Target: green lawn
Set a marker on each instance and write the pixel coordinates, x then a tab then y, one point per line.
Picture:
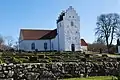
93	78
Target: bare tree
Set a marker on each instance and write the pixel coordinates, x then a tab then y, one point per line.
95	47
1	40
16	45
100	41
107	27
10	41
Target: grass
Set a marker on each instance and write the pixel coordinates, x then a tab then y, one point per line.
52	56
1	60
93	78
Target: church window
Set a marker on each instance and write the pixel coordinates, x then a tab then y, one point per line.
67	31
75	26
72	24
60	24
33	46
67	26
45	45
75	37
69	38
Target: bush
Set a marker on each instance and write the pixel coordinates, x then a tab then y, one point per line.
11	50
43	61
83	59
68	76
41	56
87	55
1	50
104	55
118	59
32	58
20	51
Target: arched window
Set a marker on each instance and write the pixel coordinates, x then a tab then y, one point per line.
45	46
75	38
72	24
69	38
33	46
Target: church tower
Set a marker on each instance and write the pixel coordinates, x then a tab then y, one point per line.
68	29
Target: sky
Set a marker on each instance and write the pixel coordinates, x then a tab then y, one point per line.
42	14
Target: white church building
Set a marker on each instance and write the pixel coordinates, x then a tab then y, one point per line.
66	37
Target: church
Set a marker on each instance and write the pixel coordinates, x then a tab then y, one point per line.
66	37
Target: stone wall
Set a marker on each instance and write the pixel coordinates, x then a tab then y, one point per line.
54	71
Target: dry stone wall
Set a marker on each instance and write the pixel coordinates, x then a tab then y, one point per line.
54	71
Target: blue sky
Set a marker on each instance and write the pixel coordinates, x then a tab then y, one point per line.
42	14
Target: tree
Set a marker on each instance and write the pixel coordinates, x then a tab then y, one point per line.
9	40
16	45
100	41
95	47
1	40
107	27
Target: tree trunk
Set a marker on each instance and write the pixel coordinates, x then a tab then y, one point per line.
108	49
107	44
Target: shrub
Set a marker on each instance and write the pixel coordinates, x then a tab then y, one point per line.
11	50
41	56
32	58
118	59
83	59
1	50
87	55
104	55
68	76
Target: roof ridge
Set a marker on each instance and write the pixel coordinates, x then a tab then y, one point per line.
37	29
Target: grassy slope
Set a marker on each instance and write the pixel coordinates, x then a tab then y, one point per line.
92	78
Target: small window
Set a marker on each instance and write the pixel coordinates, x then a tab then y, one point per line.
69	16
33	46
72	24
67	26
76	32
73	16
75	37
69	38
45	46
60	24
68	32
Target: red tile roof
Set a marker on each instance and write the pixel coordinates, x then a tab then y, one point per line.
83	43
31	34
50	35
